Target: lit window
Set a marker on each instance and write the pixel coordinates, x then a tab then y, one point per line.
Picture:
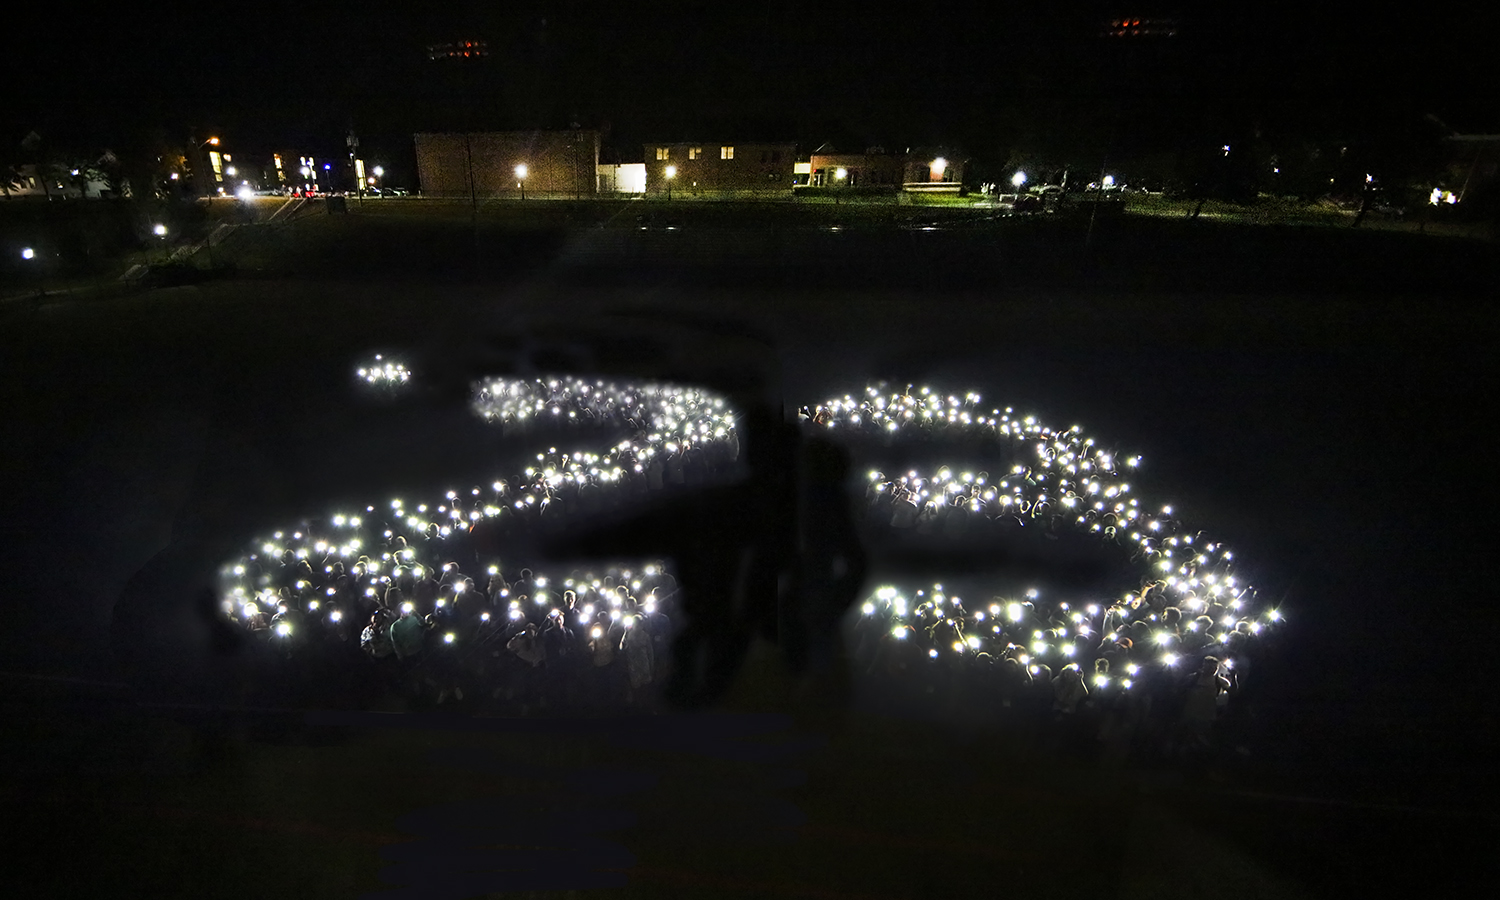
726	153
695	152
661	152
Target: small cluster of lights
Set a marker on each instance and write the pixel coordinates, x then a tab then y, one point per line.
384	373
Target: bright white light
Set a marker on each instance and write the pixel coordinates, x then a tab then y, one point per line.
671	171
1109	181
28	253
448	638
159	230
521	170
379	172
939	166
1018	179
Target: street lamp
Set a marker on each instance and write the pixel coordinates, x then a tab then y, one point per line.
379	172
521	179
671	173
939	166
160	231
231	171
1109	181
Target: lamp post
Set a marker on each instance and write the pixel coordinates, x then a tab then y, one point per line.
671	172
160	231
202	166
521	179
29	254
839	175
1017	180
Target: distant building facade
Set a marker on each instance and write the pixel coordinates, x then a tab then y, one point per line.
622	178
872	169
1130	26
557	163
932	170
29	182
719	168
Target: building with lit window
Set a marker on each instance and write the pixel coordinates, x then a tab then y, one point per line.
458	50
874	170
1136	27
503	164
211	168
932	170
719	168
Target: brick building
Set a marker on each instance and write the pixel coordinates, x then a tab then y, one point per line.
872	169
934	170
720	168
558	163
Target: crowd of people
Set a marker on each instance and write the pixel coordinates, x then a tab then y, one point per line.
420	592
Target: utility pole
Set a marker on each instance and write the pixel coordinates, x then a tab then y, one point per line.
352	141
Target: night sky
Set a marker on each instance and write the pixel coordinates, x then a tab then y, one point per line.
275	76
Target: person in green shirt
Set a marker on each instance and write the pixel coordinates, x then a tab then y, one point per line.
407	635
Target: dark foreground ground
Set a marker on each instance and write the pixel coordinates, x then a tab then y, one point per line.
1320	399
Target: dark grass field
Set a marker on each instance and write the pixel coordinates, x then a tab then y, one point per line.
1318	397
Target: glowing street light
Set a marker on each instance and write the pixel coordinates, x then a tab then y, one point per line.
159	230
231	170
671	172
1109	181
28	253
939	166
521	179
841	173
1018	179
379	172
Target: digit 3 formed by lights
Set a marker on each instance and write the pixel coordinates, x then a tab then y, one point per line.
1065	480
